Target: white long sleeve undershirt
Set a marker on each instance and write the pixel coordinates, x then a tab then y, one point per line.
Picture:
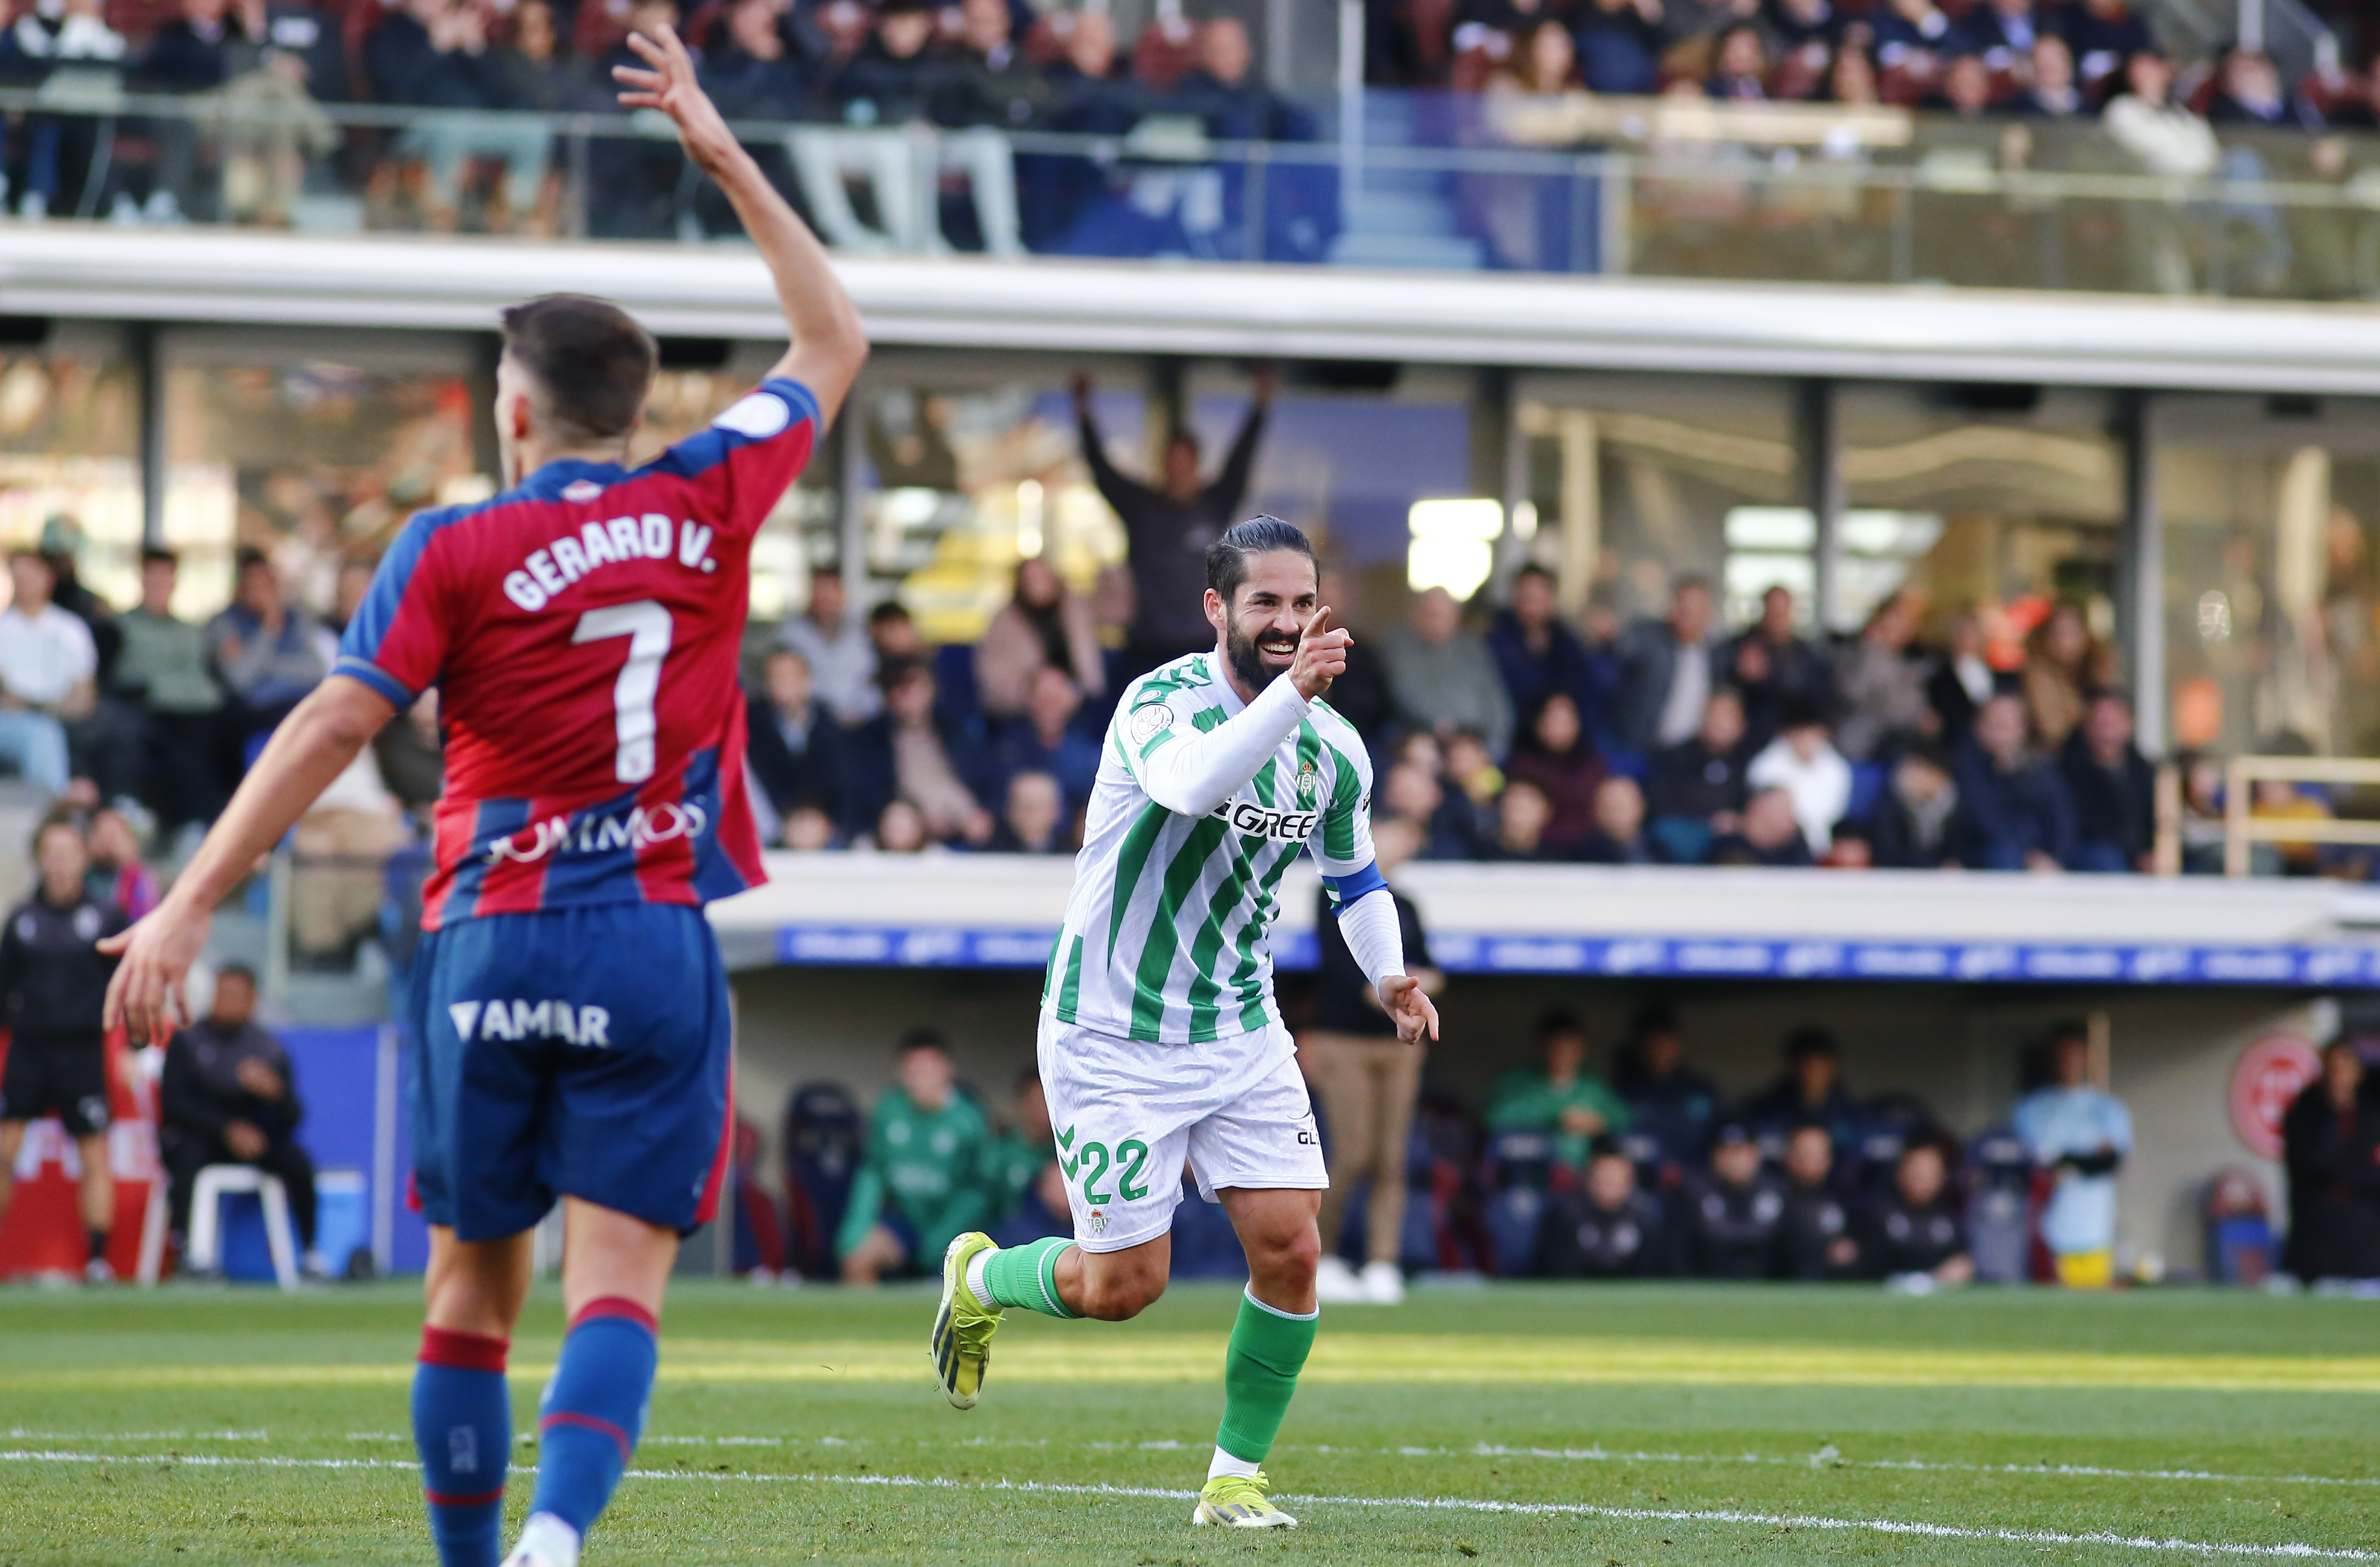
1195	773
1369	924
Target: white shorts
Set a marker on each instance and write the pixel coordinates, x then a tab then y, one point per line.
1127	1113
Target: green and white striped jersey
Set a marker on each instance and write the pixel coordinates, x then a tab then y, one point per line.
1201	802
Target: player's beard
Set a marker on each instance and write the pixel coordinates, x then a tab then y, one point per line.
1239	648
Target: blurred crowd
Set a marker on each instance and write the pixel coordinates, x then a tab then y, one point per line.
2044	59
261	69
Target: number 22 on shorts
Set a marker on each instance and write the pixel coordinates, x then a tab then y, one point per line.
1093	1162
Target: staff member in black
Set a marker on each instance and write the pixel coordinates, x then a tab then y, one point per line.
2331	1138
1735	1212
1819	1238
53	993
228	1097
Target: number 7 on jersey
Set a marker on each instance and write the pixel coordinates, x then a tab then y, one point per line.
645	625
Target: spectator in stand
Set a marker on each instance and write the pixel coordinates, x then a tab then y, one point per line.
1818	1239
926	1176
73	35
1367	1079
900	829
1044	739
1920	1240
1033	818
1771	834
1611	1228
434	54
1774	669
2019	816
1739	65
2051	94
53	992
2114	788
2063	664
1966	88
634	184
1092	97
1554	753
902	754
988	82
228	1096
1522	813
796	750
1030	1185
1223	90
1536	653
1852	78
1167	530
1620	46
2079	1133
118	877
1619	829
833	641
1412	793
48	676
1562	1097
1734	1210
1804	763
1882	683
2330	1137
197	52
1672	1104
1442	678
1701	780
753	72
1917	824
267	652
2249	93
1045	625
1810	1092
2164	138
893	633
1961	681
1471	772
1909	34
897	74
1360	695
2104	34
534	71
1670	668
2003	33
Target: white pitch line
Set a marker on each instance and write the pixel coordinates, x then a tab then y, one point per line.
2295	1550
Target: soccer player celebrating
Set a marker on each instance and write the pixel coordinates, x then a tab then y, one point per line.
569	1007
1160	1037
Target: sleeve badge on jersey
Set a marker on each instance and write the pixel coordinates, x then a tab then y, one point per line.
760	416
1149	720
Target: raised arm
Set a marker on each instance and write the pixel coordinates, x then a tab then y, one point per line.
829	343
313	745
1113	486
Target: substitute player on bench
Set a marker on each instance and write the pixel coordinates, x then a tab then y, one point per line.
571	1009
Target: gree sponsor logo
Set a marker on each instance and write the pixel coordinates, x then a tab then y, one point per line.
1253	821
638	827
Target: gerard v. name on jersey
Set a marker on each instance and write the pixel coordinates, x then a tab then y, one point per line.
652	536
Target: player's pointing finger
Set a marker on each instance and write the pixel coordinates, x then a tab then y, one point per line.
1319	624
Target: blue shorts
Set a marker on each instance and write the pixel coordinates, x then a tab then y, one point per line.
579	1052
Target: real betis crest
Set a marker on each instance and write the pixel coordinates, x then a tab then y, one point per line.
1309	780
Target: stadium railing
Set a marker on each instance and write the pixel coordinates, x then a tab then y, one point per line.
2242	830
1648	187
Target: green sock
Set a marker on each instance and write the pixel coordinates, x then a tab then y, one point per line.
1268	1348
1026	1276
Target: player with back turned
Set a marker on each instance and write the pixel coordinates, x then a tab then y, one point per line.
1160	1037
568	1002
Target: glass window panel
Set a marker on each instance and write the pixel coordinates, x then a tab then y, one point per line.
2270	508
1638	480
70	449
2000	498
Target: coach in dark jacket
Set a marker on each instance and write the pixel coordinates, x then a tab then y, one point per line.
229	1097
2330	1140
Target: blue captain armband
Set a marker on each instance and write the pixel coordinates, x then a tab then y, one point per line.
1345	889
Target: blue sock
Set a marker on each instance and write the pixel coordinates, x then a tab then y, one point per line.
594	1410
463	1429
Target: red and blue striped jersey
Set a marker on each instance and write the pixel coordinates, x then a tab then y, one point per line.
583	630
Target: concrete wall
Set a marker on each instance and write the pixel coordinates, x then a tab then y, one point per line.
1959	1048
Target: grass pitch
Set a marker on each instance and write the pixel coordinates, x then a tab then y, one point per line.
1519	1424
